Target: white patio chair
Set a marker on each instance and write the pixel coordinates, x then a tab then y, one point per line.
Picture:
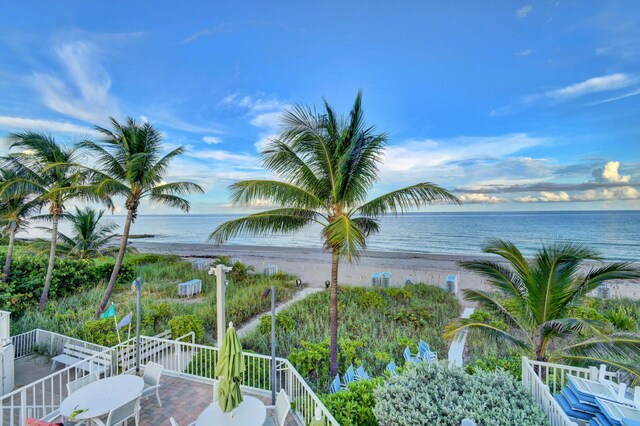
280	410
122	414
151	377
81	382
174	423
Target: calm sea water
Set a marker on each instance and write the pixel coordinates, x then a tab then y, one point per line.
616	234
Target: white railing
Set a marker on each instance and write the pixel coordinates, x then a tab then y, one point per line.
198	362
179	358
545	379
542	395
47	342
43	397
24	344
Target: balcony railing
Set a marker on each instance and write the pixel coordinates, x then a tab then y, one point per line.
545	379
179	358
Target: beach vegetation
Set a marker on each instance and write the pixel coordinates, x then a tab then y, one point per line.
354	406
184	324
435	394
131	166
369	336
326	165
544	297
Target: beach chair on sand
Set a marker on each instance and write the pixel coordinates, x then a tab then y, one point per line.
361	374
349	376
391	368
336	385
409	357
425	353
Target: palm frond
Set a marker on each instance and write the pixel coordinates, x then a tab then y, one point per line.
487	331
407	198
367	225
490	303
564	327
345	235
499	276
170	200
278	193
277	221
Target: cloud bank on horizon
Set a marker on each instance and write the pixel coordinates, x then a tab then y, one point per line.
537	111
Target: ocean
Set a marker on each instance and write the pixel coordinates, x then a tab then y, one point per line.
615	234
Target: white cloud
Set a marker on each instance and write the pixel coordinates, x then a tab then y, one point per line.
524	52
413	158
526	199
245	160
19	123
264	141
269	120
524	11
609	194
545	197
83	92
611	173
592	85
476	198
212	140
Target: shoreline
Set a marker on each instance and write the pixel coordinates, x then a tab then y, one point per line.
313	265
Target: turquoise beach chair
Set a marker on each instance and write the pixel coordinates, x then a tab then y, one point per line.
336	385
425	353
409	357
391	368
361	374
349	376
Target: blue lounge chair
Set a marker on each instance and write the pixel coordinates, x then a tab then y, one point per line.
361	374
409	357
349	376
425	353
391	368
336	385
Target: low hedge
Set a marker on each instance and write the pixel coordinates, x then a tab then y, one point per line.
441	396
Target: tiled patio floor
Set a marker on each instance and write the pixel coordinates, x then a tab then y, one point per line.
183	400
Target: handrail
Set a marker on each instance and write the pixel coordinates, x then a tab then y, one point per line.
191	333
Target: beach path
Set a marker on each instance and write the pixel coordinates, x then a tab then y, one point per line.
457	345
299	295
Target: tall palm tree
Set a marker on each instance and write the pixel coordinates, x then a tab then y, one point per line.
51	173
545	292
89	236
129	159
15	209
327	166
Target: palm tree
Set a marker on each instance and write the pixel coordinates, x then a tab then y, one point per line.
89	238
128	157
327	166
15	209
536	298
50	172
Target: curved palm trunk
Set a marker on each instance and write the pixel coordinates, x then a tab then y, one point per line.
52	259
7	262
118	265
334	313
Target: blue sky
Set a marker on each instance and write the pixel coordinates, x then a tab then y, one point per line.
514	105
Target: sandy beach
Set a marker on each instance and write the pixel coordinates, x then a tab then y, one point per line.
313	265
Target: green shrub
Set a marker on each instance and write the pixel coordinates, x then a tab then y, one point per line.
371	300
284	323
621	319
104	268
101	332
437	395
354	407
511	364
184	324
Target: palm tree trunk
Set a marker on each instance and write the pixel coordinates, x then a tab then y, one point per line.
52	259
118	265
7	262
334	313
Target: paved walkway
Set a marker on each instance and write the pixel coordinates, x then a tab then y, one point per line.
299	295
456	350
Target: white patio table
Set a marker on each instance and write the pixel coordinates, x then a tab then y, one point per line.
251	412
102	396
